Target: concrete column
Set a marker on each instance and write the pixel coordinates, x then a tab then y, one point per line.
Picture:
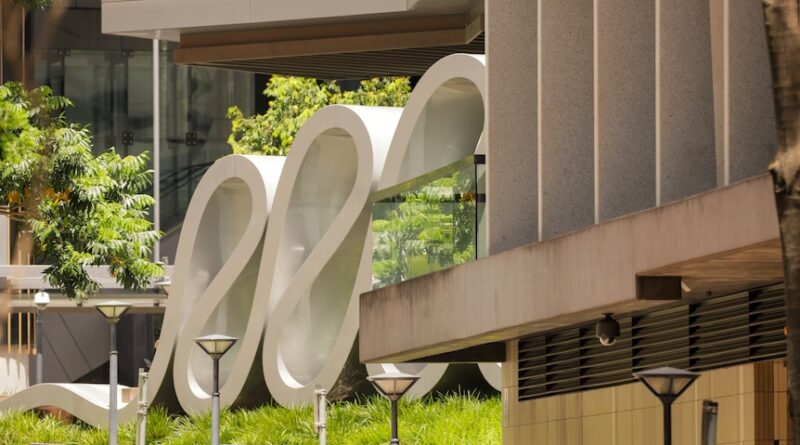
566	116
512	130
752	137
686	161
744	115
624	107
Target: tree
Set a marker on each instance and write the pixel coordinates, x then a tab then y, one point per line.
84	210
33	4
783	38
294	100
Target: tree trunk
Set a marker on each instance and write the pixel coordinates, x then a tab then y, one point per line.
783	38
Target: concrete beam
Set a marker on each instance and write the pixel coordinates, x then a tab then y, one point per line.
720	241
19	283
269	43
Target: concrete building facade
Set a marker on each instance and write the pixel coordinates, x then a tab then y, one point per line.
617	136
626	149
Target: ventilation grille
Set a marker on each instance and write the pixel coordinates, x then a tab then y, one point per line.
714	333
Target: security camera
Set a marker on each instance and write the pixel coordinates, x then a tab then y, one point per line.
607	330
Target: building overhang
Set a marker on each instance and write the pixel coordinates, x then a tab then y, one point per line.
334	40
18	284
717	242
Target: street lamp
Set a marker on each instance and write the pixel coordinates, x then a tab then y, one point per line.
112	311
41	300
667	384
393	385
215	345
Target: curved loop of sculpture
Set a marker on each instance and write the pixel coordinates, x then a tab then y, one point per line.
84	401
231	185
223	249
316	248
276	251
442	123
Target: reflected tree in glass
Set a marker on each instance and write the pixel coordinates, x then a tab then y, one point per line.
425	229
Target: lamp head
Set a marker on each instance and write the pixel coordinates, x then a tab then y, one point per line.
112	310
215	345
667	383
393	384
41	300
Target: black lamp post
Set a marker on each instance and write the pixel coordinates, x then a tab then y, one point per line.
667	384
393	385
112	311
41	300
215	345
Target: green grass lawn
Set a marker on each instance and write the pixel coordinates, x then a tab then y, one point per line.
450	419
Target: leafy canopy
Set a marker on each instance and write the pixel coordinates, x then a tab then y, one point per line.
295	99
33	4
84	210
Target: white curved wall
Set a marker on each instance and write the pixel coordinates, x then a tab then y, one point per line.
319	249
219	285
276	252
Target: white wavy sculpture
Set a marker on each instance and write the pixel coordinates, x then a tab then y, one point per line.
276	250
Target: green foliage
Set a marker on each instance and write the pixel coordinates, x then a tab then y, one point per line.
33	4
84	210
294	100
451	419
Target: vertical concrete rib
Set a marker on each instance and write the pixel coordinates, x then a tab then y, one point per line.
625	106
657	37
751	110
726	92
539	177
718	70
512	128
595	127
566	114
685	100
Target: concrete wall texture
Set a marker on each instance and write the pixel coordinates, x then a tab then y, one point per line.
74	344
598	109
751	411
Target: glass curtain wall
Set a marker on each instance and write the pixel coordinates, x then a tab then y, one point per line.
110	80
194	128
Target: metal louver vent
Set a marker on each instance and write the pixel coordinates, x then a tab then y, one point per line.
572	359
718	332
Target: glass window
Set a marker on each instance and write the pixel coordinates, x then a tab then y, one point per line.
110	80
428	223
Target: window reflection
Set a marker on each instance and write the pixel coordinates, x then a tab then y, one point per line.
428	223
